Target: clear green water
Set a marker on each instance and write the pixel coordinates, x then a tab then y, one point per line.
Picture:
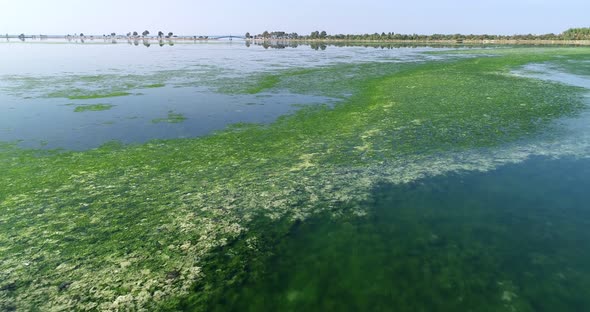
357	178
514	239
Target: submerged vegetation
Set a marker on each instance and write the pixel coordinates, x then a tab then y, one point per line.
143	226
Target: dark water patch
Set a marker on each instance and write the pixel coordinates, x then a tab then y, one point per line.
508	240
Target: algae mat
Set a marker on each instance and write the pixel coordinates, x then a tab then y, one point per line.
150	226
507	240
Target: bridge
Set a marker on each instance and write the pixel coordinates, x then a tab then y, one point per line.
230	37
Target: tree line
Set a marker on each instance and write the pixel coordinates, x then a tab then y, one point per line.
131	34
570	34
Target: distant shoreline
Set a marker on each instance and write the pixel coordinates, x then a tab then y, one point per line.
107	39
445	42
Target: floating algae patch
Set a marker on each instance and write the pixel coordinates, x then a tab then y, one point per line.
336	81
264	83
75	86
133	227
87	96
506	240
87	93
172	118
155	85
92	108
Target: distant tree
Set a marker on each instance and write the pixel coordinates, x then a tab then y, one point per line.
135	34
145	33
577	33
247	35
170	34
570	34
81	35
113	34
160	34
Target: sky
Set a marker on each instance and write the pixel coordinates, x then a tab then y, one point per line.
224	17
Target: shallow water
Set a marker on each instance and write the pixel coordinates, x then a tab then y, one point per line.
198	81
54	123
513	239
553	73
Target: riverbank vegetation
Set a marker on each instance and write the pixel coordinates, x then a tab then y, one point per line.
570	34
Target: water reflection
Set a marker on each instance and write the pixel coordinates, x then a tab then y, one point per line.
147	41
321	46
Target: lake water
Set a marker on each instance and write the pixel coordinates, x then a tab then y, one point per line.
40	83
492	228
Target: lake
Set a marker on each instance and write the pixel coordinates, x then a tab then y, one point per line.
225	176
43	84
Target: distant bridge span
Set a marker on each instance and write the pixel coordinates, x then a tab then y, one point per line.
230	37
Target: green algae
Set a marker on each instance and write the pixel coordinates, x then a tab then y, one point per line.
131	227
80	96
437	244
93	108
264	83
103	85
334	81
86	94
155	85
172	118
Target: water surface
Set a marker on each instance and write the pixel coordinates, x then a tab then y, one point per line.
41	85
513	239
380	179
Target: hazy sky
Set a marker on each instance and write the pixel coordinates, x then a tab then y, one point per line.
303	16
